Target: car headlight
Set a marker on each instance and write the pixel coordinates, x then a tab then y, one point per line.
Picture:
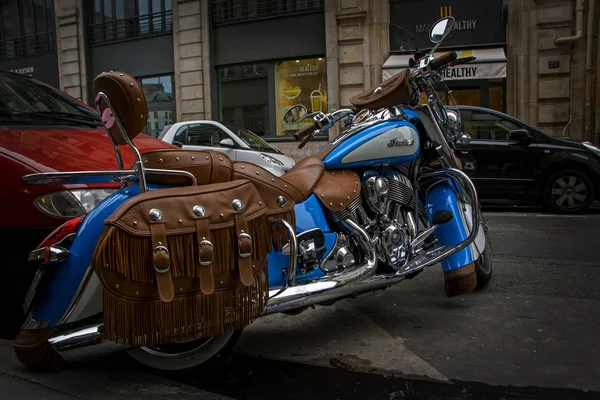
271	160
592	147
72	203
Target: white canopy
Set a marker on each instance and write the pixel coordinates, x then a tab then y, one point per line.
489	64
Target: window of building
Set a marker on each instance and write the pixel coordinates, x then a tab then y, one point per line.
122	19
299	82
256	96
244	97
159	91
26	28
233	11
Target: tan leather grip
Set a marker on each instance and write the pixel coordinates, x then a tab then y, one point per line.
162	262
305	141
304	132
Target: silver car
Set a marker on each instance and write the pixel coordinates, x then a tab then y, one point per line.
238	143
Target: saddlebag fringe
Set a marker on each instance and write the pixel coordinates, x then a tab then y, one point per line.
152	322
184	263
461	280
131	255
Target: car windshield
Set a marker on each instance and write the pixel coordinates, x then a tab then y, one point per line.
251	139
27	101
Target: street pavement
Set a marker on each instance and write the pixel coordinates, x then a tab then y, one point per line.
531	333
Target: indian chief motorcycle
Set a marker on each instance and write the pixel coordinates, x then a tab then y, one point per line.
195	247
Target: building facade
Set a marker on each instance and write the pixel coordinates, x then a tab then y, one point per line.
248	61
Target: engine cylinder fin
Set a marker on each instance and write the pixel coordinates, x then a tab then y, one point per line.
337	216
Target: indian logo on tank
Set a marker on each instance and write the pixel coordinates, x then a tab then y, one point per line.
400	142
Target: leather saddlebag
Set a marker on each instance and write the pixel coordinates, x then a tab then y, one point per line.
183	263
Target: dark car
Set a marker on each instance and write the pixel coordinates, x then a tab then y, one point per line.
512	163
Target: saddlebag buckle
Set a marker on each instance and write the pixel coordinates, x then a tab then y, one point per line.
162	263
244	245
206	257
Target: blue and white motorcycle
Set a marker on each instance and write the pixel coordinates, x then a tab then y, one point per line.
378	204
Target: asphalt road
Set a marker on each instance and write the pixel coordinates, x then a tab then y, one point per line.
531	333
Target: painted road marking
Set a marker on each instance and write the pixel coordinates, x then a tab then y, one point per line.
338	336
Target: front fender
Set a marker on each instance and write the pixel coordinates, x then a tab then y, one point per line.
444	195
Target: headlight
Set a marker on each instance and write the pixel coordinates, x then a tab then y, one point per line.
592	147
72	203
271	160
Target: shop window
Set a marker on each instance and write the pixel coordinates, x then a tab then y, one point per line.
299	82
486	126
244	97
26	28
123	19
161	102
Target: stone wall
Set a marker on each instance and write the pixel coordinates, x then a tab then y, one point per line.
192	57
546	81
70	48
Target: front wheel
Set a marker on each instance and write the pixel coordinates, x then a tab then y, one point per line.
208	352
484	265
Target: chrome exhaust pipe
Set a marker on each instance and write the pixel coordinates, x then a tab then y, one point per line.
85	342
330	287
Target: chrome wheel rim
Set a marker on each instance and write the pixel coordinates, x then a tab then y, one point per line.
180	349
569	192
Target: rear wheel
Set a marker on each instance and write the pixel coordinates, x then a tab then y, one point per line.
211	352
568	192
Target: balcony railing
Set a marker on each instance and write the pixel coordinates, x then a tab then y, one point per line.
233	11
27	46
128	28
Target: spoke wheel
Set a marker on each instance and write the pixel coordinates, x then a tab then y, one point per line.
205	352
569	192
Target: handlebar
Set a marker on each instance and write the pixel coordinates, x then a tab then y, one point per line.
443	60
304	132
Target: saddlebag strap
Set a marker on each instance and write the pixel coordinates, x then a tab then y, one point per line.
206	256
244	248
161	260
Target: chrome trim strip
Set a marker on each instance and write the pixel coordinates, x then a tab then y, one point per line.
77	296
78	177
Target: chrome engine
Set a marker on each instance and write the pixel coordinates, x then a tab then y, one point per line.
385	211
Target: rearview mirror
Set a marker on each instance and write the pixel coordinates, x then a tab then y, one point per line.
441	29
294	115
521	136
227	143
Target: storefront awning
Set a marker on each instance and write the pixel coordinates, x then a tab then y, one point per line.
489	64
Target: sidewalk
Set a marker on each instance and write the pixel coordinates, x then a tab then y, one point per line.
97	379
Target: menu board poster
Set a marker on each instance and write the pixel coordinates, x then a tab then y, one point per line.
299	82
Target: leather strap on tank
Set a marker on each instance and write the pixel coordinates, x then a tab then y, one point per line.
204	267
162	262
244	248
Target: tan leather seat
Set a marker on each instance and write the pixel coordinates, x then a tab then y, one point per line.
304	176
206	166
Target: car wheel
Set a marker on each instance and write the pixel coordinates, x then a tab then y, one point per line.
568	192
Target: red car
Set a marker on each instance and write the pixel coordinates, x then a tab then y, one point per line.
43	130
